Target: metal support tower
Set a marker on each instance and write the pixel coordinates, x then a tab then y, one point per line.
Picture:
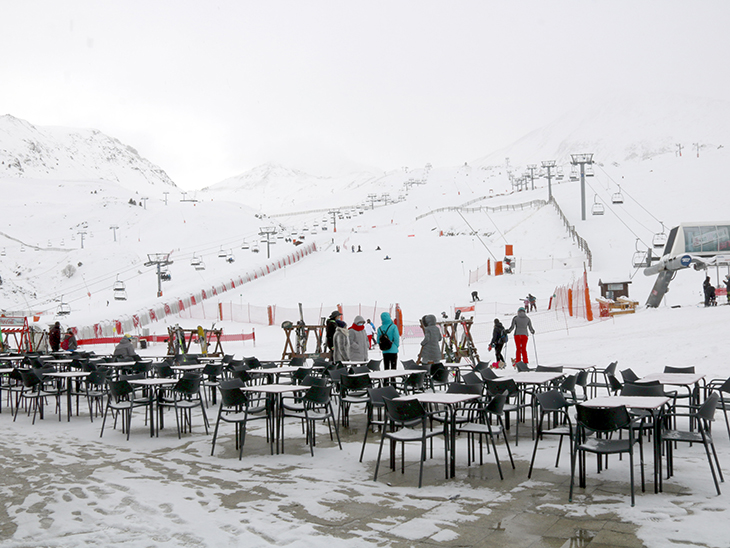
549	164
268	232
582	160
159	260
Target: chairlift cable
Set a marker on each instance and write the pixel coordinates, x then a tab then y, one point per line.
623	191
477	235
623	222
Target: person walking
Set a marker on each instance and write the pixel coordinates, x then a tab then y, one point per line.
727	287
54	337
521	324
533	302
358	340
390	330
370	332
499	339
430	347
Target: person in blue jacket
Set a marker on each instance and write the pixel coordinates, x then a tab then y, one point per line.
387	327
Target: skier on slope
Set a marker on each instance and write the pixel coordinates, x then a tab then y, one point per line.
521	323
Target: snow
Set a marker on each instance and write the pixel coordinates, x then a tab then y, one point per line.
173	493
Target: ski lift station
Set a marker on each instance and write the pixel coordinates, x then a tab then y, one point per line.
698	244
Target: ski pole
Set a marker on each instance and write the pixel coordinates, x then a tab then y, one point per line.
534	345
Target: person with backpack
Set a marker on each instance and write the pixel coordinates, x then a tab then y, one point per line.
388	341
521	324
330	328
54	337
499	339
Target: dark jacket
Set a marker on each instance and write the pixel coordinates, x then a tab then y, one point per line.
497	333
54	337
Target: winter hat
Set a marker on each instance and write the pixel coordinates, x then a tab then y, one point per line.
521	309
335	314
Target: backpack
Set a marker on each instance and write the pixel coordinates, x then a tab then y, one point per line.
384	341
503	338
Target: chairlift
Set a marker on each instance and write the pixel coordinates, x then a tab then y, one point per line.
165	276
231	258
617	197
574	173
255	248
222	254
63	309
660	238
197	263
120	290
597	208
245	245
589	170
2	253
22	248
641	259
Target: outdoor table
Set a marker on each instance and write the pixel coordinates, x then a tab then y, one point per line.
686	380
189	367
67	377
574	366
274	410
158	385
449	401
653	404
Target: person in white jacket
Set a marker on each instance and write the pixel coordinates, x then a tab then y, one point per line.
358	340
370	332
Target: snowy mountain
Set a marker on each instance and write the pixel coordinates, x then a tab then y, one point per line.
623	129
56	153
273	188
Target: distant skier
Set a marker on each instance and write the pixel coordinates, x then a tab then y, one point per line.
532	302
727	287
521	323
475	296
709	291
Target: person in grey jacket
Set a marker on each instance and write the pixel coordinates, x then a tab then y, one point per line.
430	348
521	323
125	349
358	340
341	343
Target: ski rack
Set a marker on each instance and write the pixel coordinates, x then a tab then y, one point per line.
457	343
190	336
297	348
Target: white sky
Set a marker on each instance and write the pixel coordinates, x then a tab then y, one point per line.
208	90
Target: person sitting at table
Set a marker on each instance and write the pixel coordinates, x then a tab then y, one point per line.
430	348
125	349
69	342
358	340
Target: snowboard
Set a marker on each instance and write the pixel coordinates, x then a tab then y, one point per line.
202	341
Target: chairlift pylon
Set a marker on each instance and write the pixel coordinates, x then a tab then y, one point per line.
597	208
617	197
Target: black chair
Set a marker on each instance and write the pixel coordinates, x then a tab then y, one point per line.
376	404
516	406
186	396
237	407
318	408
211	377
689	370
410	422
33	391
628	375
596	383
374	365
488	374
481	425
603	421
702	417
549	369
522	367
415	382
722	388
353	391
553	403
410	364
438	376
96	391
692	396
122	399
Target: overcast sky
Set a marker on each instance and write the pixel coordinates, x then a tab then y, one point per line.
208	90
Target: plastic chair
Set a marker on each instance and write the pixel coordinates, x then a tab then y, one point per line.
553	402
374	365
33	390
410	422
595	384
438	376
95	391
318	408
122	399
236	407
522	367
722	388
483	427
517	406
603	421
628	375
376	403
353	391
185	397
702	418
